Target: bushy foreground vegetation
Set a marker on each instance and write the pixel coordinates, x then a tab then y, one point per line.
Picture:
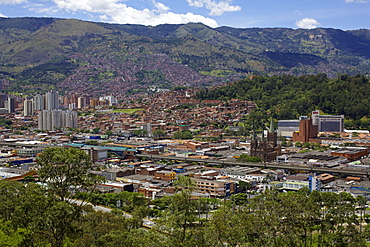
35	215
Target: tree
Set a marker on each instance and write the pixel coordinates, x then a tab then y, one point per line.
29	178
240	199
66	170
268	178
185	134
92	142
5	122
59	221
140	132
361	200
158	133
9	236
179	217
96	224
27	208
306	145
284	143
73	138
96	130
244	186
247	158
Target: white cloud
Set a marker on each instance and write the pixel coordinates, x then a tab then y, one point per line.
117	12
216	8
40	8
12	1
161	8
4	16
307	23
357	1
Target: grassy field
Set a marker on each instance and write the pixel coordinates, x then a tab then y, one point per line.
128	111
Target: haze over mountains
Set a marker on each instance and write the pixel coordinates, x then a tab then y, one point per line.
73	55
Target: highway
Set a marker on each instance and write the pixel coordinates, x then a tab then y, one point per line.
18	144
275	165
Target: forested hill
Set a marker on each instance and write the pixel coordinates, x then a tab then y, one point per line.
288	97
44	53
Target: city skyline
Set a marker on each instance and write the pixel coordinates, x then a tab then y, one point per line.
340	14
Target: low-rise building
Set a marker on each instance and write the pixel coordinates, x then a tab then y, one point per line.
29	152
216	188
290	186
114	187
239	172
165	175
351	154
96	153
117	174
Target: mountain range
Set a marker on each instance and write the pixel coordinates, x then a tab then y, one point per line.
39	54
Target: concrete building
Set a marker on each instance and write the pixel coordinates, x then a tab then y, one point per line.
291	186
69	119
110	187
111	100
54	119
216	188
239	172
328	123
28	107
52	100
147	127
72	106
94	102
317	159
165	175
324	123
81	102
286	128
351	154
2	100
29	152
96	153
10	105
38	102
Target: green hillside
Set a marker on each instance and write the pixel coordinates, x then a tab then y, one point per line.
44	53
288	97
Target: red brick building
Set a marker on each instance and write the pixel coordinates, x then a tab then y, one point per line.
351	154
307	131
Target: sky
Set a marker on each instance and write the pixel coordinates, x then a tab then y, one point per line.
339	14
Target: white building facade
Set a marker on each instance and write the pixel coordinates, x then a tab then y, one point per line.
55	119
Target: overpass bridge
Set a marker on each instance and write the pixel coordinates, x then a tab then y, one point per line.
275	165
20	144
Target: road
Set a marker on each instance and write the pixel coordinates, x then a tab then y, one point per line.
275	165
146	222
